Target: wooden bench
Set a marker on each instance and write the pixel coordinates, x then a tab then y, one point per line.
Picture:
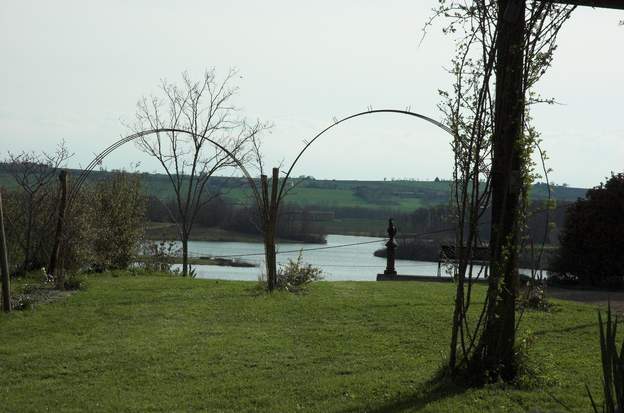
480	256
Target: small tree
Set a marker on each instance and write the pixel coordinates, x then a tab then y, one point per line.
204	110
34	174
503	48
593	235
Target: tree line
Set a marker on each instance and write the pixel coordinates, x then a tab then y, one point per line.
296	223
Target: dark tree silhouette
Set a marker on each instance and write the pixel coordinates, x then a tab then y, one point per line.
593	236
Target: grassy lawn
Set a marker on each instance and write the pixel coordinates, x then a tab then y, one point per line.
169	344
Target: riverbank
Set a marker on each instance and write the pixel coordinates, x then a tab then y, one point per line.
221	262
164	231
162	343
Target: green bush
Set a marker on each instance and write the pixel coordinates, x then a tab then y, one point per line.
295	275
74	282
118	221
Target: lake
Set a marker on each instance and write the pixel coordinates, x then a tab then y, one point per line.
338	259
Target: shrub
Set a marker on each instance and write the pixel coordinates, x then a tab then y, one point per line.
534	297
118	220
74	282
20	302
295	275
158	255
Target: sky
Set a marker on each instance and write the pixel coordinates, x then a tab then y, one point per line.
74	70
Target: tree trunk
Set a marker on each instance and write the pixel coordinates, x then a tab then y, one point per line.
271	265
495	352
269	217
4	265
60	222
185	264
29	224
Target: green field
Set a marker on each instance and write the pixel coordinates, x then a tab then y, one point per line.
343	194
403	196
159	343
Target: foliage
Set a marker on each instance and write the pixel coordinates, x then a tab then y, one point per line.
16	210
158	255
593	235
479	149
535	296
34	175
101	229
75	282
22	301
295	275
530	374
612	366
76	246
118	220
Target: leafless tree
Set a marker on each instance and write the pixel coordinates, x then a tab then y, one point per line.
34	173
202	112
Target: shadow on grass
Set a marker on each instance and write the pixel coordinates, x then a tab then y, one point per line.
438	388
566	330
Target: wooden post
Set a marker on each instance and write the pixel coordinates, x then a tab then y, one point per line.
4	264
269	216
273	224
266	228
54	259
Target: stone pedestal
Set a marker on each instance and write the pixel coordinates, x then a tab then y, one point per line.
390	257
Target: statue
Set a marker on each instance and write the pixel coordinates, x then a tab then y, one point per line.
392	229
391	246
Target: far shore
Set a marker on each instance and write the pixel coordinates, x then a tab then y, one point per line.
164	231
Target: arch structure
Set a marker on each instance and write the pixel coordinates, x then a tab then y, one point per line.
267	202
250	180
356	115
100	157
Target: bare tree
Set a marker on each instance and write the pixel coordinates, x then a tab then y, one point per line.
34	172
203	110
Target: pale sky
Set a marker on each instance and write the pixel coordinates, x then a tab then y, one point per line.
74	70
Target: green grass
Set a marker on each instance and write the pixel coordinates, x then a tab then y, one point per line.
169	344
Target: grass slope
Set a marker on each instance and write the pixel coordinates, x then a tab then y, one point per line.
169	344
399	195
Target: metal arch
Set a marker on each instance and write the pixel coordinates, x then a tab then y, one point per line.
97	160
368	112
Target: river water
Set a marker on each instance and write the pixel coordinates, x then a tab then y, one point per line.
339	259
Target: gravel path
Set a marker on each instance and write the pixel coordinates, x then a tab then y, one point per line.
596	297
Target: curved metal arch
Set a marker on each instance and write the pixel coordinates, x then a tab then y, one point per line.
98	159
368	112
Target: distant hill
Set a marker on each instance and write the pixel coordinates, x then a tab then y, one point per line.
398	195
